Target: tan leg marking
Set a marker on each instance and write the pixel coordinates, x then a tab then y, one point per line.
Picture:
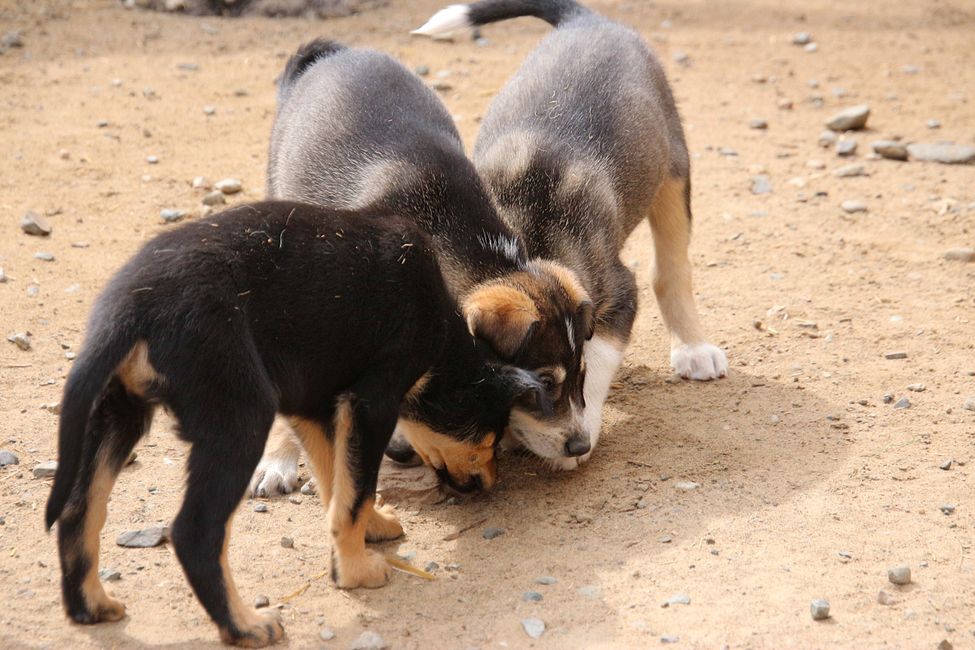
671	227
321	454
99	603
135	371
355	566
383	524
463	459
258	630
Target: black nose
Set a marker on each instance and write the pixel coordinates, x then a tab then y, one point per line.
577	445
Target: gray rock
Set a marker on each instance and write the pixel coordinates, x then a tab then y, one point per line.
545	580
200	183
852	206
895	355
888	398
933	124
669	638
947	508
686	486
757	123
12	39
327	634
261	601
260	507
145	538
422	70
969	404
308	488
531	596
801	38
589	591
682	58
8	458
534	627
110	575
287	542
34	224
369	640
761	184
903	403
152	160
491	533
849	171
214	198
819	609
171	215
21	340
889	149
899	575
827	139
45	469
846	147
727	151
677	599
431	567
849	119
3	275
441	86
917	388
942	152
945	465
960	255
209	110
228	186
884	598
811	47
44	256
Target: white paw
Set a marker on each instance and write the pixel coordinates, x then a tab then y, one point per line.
565	464
700	361
273	477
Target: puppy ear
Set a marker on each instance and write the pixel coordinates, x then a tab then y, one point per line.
501	315
586	317
524	388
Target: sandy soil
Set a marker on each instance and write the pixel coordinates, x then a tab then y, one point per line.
797	457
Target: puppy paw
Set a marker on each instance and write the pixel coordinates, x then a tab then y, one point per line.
273	477
258	631
111	610
383	525
565	464
368	569
700	361
98	608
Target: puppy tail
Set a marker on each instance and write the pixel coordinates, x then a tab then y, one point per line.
456	17
89	376
303	59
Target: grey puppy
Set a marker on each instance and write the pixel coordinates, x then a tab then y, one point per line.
580	146
357	130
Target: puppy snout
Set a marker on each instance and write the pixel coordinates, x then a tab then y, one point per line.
577	445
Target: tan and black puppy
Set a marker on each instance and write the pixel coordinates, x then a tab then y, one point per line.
578	148
356	129
341	322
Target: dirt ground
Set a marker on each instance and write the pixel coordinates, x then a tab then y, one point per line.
810	486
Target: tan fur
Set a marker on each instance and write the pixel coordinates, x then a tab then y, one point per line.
671	227
462	459
417	388
501	314
566	277
321	454
99	603
355	566
135	371
589	181
261	630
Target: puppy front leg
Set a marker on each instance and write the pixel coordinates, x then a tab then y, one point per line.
360	438
670	220
277	473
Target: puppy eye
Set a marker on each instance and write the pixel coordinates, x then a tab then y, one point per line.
548	381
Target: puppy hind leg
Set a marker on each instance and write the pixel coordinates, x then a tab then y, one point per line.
230	442
670	220
117	423
277	472
362	431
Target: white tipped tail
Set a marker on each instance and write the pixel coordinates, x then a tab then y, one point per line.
446	21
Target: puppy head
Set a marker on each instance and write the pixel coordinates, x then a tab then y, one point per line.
539	320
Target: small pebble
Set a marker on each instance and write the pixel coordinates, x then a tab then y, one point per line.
261	601
946	465
431	567
12	39
21	340
682	58
960	255
849	171
110	575
801	38
8	458
677	599
669	638
260	507
152	160
531	596
287	542
899	575
761	184
846	147
946	508
827	139
884	598
811	47
209	110
903	403
888	398
890	149
308	488
895	355
534	627
228	186
3	275
686	486
214	198
491	533
44	256
422	70
942	152
851	206
327	634
171	215
819	609
933	124
45	469
849	119
916	388
34	224
200	183
969	404
295	499
757	123
369	640
545	580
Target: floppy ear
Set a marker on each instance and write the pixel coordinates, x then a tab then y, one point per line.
503	316
526	389
586	315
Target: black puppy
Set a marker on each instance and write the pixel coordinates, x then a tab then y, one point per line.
330	318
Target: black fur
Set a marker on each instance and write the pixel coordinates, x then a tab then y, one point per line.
554	12
304	58
274	307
